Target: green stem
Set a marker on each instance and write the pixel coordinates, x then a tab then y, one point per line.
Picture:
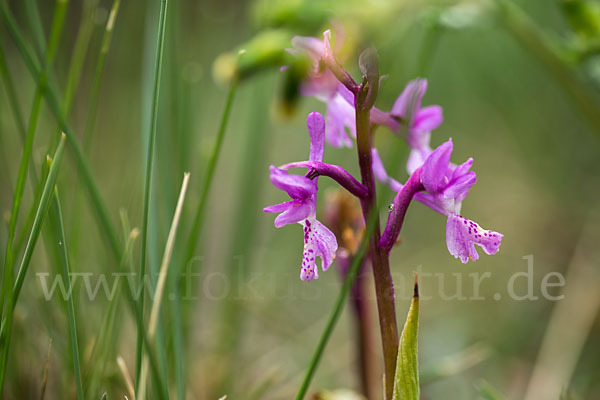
80	48
56	30
12	97
95	91
32	13
71	308
92	111
148	178
52	99
13	293
210	171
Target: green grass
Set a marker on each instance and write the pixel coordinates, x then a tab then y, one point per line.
12	294
71	308
150	154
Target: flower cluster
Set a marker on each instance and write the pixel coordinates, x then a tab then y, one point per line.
434	180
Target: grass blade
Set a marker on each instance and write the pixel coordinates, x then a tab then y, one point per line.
148	176
13	294
71	308
162	279
52	98
95	91
57	25
82	40
406	380
12	96
34	19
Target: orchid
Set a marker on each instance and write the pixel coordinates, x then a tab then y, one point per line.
433	181
318	240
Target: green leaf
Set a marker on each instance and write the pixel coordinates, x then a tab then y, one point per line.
406	381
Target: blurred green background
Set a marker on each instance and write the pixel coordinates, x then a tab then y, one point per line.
253	325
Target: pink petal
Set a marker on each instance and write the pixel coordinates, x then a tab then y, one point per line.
413	93
460	185
427	119
316	128
296	186
436	167
298	212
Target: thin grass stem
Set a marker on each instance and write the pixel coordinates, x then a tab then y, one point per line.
13	293
162	279
148	177
71	308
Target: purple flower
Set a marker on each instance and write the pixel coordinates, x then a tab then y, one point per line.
318	240
422	121
321	81
323	85
341	117
445	187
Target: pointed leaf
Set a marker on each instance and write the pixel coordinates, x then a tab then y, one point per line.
406	381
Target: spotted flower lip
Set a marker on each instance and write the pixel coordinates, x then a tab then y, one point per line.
318	240
462	235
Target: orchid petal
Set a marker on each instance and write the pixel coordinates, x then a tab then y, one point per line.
340	115
277	208
346	94
316	128
313	47
413	93
296	213
381	174
460	185
436	167
427	119
417	158
378	168
296	186
462	169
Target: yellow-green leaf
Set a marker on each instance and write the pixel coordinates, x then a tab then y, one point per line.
406	381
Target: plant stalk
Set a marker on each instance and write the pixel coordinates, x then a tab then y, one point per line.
384	286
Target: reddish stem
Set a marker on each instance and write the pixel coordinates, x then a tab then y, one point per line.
384	285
